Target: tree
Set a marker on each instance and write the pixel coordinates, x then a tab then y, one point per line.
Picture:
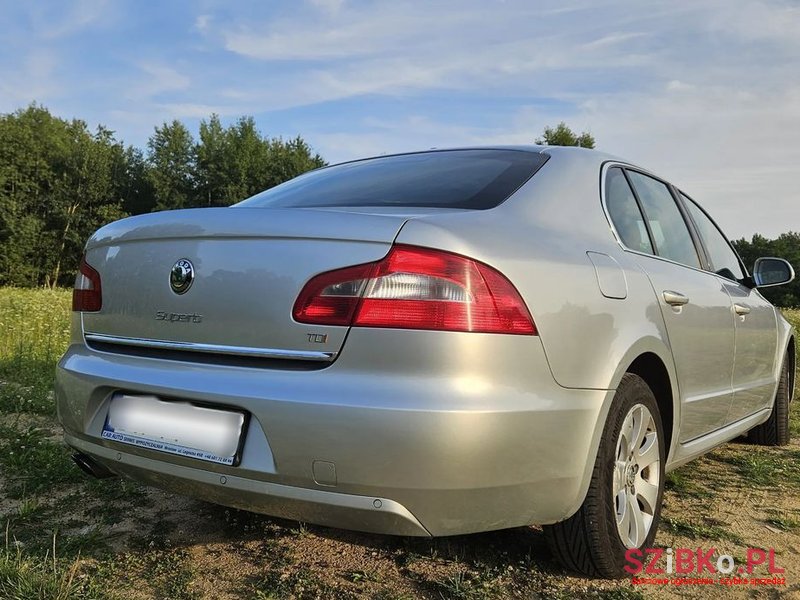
211	170
171	160
57	185
236	162
61	181
562	135
290	159
86	186
133	184
24	175
248	154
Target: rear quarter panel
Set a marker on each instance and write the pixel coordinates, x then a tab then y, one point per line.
539	239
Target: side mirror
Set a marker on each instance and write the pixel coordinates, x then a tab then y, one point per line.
768	272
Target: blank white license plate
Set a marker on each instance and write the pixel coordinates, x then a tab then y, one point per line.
176	427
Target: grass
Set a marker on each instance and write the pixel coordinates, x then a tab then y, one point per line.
784	523
682	482
34	332
704	529
469	584
768	467
279	582
32	462
25	577
360	575
47	505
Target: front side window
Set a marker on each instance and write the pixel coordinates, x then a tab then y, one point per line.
670	233
723	258
625	213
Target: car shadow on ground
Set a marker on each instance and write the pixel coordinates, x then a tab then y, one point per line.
281	556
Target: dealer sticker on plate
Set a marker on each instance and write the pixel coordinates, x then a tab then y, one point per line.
178	428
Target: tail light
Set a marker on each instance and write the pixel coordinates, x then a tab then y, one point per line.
416	288
87	295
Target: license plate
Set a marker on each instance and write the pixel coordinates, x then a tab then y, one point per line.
178	428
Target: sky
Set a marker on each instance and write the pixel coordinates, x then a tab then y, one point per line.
704	93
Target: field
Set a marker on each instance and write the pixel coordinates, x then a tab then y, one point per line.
68	536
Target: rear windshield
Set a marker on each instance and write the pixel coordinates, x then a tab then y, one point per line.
473	179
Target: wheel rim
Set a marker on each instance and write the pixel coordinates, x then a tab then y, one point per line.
637	476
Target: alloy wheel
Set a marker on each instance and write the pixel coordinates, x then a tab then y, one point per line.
636	476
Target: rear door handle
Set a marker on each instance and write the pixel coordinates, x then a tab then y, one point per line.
741	309
675	298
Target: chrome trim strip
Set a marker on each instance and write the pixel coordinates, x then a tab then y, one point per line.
211	348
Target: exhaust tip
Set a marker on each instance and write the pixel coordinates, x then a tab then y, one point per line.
91	467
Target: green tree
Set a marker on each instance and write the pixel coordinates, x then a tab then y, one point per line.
84	194
61	181
24	169
212	168
236	162
562	135
290	159
248	154
133	184
171	162
56	188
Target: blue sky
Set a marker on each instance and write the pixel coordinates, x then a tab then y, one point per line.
706	93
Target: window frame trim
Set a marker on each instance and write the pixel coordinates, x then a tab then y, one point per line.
680	195
699	249
604	168
638	201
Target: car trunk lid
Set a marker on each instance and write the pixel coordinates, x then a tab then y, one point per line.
249	265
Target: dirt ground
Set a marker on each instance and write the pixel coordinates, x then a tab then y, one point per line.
167	546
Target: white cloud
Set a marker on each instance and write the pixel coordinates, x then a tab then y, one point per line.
676	85
612	39
35	78
201	23
383	29
325	38
183	110
330	6
158	78
732	151
71	19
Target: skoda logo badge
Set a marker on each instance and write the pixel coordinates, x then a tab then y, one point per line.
181	276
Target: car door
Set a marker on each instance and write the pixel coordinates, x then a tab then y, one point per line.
694	303
756	327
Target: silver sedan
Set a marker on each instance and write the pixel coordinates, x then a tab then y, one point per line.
429	344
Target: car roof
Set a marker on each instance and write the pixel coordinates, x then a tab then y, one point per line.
563	154
560	151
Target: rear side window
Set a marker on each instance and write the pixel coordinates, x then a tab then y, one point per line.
670	233
723	259
624	212
473	179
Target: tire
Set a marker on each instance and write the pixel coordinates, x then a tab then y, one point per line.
590	542
775	430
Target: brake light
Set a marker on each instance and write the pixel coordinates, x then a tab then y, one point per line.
87	295
416	288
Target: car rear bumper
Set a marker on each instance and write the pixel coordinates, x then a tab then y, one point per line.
347	511
407	446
